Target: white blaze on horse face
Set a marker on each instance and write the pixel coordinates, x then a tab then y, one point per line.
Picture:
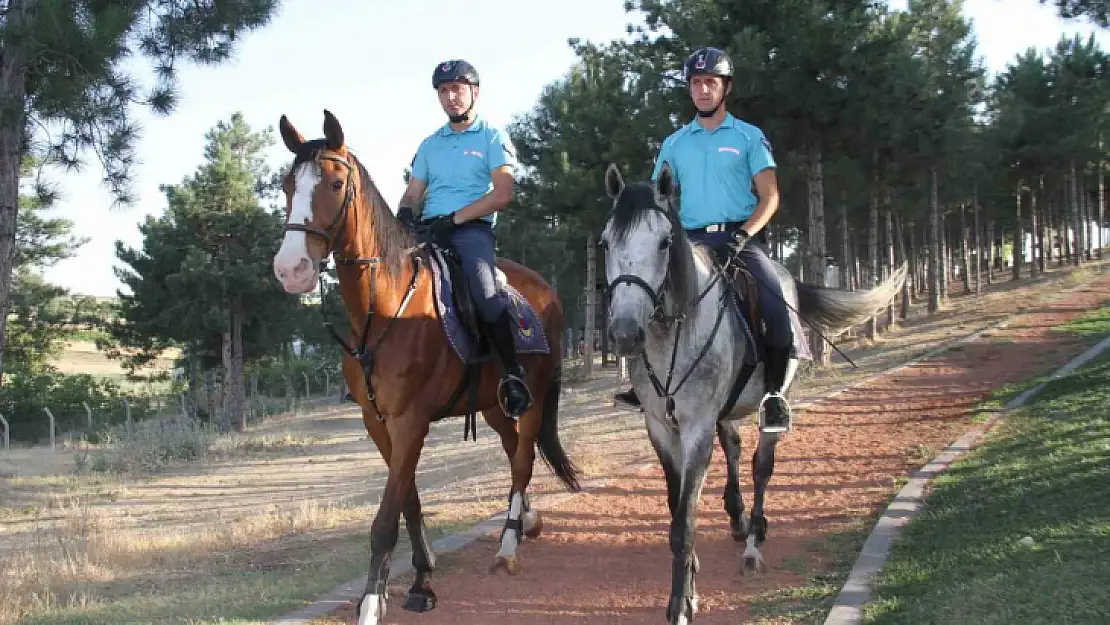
292	264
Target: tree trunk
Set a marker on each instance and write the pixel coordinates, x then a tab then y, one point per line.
991	251
965	254
936	263
1036	234
13	122
873	249
905	311
889	265
1101	203
816	250
238	372
915	261
1019	234
227	419
977	241
845	244
1077	247
591	305
945	251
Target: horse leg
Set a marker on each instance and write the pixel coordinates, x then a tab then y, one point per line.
728	433
763	466
407	436
521	460
421	597
506	429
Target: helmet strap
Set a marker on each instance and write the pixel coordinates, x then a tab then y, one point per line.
465	115
720	103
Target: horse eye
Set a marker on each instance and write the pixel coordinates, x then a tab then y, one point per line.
664	244
337	185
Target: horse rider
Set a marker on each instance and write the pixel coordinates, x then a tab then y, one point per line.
463	174
717	159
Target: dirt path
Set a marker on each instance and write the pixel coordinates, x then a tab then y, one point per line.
604	555
295	484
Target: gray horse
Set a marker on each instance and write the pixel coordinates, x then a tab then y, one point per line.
685	328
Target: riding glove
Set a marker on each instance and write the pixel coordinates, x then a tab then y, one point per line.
738	242
407	217
441	228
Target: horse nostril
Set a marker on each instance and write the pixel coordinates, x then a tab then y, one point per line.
302	266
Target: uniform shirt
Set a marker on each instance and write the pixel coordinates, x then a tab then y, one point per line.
456	165
714	170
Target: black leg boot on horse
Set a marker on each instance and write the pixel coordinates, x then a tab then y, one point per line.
512	391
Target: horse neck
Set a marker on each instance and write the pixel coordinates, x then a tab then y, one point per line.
700	315
369	287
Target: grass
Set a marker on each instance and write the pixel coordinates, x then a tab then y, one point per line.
827	560
1016	532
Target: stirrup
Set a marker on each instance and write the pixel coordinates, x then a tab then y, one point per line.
501	396
775	429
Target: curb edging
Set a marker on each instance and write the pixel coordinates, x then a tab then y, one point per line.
859	587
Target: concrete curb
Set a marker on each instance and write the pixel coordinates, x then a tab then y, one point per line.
859	588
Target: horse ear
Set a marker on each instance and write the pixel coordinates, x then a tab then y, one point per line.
664	183
333	132
614	183
289	135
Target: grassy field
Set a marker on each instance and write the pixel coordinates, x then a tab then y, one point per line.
1018	531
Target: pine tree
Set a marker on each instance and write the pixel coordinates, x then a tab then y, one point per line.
60	68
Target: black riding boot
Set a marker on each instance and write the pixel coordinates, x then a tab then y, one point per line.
628	398
512	392
779	368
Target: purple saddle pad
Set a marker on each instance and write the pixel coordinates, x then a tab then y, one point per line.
529	336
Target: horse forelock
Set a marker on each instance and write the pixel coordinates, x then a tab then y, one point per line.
635	202
389	239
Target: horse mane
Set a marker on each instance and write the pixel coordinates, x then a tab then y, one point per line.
634	203
388	236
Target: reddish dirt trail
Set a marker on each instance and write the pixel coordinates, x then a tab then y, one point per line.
603	557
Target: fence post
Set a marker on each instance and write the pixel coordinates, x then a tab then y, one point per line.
327	383
127	413
53	444
307	389
7	433
184	408
88	415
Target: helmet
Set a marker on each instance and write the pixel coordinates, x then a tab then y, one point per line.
712	61
455	69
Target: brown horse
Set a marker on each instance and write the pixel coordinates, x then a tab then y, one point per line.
399	364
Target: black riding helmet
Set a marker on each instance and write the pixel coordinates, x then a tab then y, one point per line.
455	69
712	61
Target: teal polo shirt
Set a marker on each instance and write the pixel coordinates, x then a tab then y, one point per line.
456	166
714	170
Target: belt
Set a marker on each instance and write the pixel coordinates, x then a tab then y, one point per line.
728	226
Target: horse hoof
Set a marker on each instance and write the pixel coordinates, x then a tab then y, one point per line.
739	532
752	564
510	564
681	610
533	524
420	601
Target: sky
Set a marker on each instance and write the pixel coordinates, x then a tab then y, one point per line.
381	91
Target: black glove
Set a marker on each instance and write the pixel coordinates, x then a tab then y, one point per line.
738	241
440	230
407	218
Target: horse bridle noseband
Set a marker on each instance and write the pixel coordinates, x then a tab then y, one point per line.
657	297
658	316
340	219
365	352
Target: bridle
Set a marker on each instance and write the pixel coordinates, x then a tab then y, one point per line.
340	219
657	297
659	316
365	352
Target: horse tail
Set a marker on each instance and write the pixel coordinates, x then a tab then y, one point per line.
551	449
836	308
